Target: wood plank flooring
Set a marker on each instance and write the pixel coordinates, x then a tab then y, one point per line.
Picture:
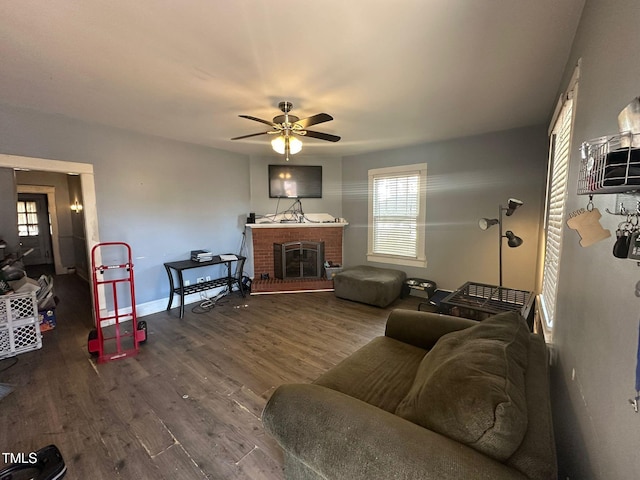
188	405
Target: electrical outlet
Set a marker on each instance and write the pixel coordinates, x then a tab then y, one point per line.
200	280
187	283
208	278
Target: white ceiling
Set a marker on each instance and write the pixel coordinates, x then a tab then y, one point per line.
391	72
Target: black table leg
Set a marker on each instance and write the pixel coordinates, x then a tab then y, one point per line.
181	280
171	287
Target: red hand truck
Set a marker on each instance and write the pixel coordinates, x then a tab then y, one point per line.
112	339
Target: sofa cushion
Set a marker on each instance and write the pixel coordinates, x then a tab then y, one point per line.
380	373
471	386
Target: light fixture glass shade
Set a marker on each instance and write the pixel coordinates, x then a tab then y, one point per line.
513	240
485	223
279	144
295	145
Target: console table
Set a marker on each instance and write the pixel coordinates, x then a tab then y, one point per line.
181	289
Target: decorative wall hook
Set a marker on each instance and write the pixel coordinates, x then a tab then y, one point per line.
622	210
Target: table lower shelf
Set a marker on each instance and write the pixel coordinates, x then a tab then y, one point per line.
202	286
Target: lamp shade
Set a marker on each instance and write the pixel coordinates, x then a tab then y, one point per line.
512	205
512	240
485	223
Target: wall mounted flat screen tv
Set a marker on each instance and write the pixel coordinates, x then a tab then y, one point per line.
295	181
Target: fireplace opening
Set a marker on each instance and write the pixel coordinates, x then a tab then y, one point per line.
298	259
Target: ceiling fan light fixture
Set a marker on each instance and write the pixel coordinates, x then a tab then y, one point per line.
279	144
285	126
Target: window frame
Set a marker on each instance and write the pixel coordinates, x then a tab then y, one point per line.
420	259
557	192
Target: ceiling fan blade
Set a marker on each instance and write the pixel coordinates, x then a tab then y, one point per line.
322	136
314	120
250	135
256	119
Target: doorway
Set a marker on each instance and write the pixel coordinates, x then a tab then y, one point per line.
34	229
90	214
84	170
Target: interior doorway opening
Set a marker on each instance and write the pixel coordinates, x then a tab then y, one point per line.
83	173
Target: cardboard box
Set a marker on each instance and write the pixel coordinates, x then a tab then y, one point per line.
24	285
47	319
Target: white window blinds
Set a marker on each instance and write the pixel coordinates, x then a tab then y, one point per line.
395	214
560	144
397	203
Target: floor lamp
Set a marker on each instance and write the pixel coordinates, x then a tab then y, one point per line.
512	240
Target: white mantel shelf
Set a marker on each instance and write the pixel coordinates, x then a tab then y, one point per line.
297	225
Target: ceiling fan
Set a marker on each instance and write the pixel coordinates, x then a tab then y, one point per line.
287	127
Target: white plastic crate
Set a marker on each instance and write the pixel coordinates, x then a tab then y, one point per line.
19	324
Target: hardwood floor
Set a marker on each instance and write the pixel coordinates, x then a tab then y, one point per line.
188	405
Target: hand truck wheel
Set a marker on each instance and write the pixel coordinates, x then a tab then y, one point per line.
142	325
92	343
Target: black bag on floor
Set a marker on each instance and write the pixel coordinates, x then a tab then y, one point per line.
45	464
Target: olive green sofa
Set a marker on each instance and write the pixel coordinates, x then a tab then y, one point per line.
435	398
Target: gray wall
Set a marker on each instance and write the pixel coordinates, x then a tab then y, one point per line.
596	335
164	198
8	211
467	179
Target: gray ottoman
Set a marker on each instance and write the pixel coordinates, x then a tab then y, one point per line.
370	285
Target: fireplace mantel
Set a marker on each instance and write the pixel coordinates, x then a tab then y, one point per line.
297	225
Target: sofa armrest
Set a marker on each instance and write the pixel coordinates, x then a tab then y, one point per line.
423	329
342	438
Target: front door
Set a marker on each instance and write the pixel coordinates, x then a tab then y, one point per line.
34	228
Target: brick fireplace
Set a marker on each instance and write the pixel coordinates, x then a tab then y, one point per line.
264	236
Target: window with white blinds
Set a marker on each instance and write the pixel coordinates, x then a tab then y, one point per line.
559	157
397	203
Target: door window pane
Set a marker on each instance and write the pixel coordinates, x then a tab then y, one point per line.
27	219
